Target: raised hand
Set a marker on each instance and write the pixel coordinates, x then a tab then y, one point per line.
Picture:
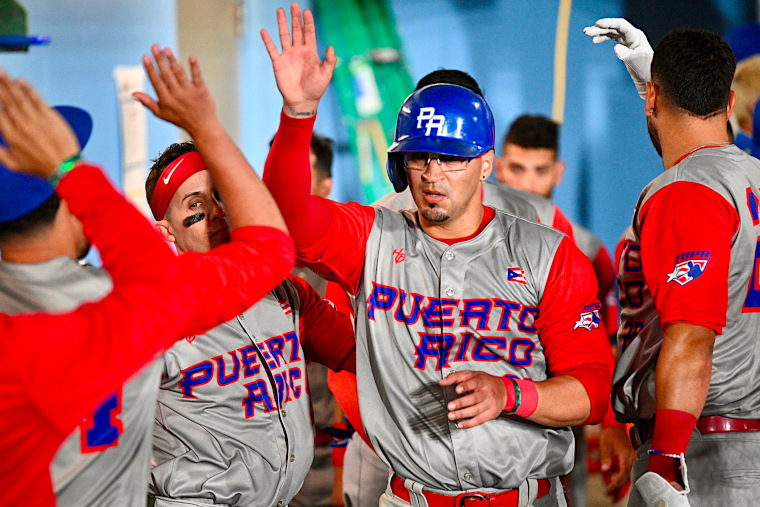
632	48
302	77
184	102
485	399
37	137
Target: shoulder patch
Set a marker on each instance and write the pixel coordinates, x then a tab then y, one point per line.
688	266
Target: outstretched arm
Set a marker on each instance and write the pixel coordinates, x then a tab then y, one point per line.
188	104
632	48
302	78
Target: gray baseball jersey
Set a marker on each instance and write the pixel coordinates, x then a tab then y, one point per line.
587	241
427	308
106	460
697	262
233	421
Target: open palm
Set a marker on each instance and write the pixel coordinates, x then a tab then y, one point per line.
302	77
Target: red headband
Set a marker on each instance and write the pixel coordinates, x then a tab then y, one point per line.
172	178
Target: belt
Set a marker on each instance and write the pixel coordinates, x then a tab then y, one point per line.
508	498
644	430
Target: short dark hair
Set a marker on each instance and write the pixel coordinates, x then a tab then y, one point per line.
160	163
533	131
323	149
693	70
450	76
41	216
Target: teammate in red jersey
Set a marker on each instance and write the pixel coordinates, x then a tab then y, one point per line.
56	369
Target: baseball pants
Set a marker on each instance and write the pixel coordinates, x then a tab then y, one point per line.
365	476
555	498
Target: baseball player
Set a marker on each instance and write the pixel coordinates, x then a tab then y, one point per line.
457	305
49	362
233	424
686	375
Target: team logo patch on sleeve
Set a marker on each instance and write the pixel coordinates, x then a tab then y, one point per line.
689	265
590	317
516	275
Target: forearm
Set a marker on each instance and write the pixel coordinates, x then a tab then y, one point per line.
562	401
684	368
224	282
246	199
287	175
130	252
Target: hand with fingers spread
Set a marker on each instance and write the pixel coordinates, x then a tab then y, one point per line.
485	399
302	77
184	102
632	48
37	138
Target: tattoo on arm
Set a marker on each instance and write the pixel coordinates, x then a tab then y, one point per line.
301	114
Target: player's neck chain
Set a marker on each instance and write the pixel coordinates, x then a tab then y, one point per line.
704	146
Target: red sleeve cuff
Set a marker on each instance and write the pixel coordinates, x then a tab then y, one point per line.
597	381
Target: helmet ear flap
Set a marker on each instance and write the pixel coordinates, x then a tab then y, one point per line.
397	171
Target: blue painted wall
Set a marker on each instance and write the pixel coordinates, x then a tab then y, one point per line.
88	40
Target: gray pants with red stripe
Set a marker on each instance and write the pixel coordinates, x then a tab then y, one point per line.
555	498
723	469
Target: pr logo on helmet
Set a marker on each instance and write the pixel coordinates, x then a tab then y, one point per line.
435	121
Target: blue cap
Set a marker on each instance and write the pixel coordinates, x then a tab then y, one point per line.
20	193
744	40
445	119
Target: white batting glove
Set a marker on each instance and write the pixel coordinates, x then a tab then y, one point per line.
632	48
657	492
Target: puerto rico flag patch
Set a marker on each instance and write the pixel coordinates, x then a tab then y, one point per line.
285	305
516	275
590	317
689	265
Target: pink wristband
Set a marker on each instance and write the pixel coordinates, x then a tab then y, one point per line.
524	404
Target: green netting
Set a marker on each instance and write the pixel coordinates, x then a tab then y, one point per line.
371	81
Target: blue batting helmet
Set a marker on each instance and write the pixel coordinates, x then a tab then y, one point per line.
443	119
20	193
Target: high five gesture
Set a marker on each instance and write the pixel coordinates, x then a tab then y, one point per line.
302	77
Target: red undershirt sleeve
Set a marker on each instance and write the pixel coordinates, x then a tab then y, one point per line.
686	234
568	325
327	336
330	237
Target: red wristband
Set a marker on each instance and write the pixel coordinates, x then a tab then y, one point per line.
672	431
528	399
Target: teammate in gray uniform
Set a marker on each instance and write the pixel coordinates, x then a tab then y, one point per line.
97	464
484	298
687	374
233	424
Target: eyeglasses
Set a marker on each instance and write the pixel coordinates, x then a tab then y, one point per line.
418	161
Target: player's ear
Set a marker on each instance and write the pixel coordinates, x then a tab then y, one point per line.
559	172
486	166
162	228
650	101
732	103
